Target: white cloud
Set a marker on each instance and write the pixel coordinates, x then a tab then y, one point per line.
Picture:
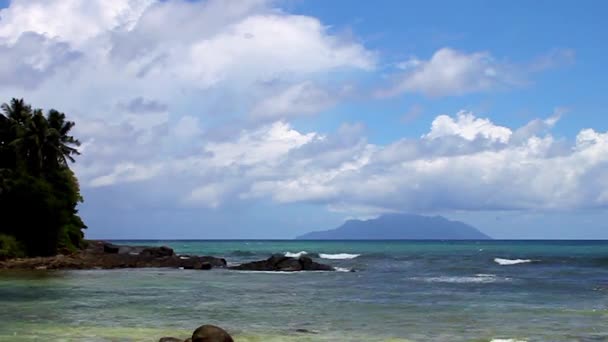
152	81
73	21
299	99
264	145
451	72
471	165
467	126
150	85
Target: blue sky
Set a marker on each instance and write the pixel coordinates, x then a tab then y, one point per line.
268	119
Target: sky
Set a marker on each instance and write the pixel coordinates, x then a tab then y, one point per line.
268	119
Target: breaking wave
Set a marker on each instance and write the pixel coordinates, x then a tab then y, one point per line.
505	262
296	255
478	278
339	256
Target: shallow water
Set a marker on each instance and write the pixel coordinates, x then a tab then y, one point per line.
402	291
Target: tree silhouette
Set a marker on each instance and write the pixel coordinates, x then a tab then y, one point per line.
38	191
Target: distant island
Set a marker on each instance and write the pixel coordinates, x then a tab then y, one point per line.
400	226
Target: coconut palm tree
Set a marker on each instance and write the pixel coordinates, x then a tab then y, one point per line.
60	145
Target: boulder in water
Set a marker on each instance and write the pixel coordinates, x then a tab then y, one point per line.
211	333
283	264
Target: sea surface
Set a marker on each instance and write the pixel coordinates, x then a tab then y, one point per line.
401	291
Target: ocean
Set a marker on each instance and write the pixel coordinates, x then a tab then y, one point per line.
400	291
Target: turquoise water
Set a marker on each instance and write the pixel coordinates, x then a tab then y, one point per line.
402	291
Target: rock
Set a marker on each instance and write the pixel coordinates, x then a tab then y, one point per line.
305	331
309	265
289	265
284	264
157	252
215	262
210	333
110	248
200	262
105	255
194	263
170	339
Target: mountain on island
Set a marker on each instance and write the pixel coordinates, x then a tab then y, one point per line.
400	226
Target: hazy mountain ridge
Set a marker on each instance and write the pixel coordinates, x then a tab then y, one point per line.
400	226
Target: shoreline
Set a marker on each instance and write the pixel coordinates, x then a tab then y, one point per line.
106	255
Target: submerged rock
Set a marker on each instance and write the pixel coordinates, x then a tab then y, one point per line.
211	333
283	264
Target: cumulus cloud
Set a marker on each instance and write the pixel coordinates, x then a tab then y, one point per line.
467	126
151	83
148	80
453	72
473	164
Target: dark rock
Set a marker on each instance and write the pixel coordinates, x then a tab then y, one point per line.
309	265
105	255
289	265
284	264
210	333
110	248
215	262
200	262
306	331
157	252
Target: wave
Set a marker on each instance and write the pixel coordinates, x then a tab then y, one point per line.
296	255
505	262
342	269
339	256
506	340
476	279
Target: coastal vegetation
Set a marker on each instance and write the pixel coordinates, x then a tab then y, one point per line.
39	193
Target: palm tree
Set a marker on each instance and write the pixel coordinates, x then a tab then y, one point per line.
37	142
60	145
14	122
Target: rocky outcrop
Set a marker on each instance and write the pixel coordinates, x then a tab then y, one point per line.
204	333
105	255
211	333
283	264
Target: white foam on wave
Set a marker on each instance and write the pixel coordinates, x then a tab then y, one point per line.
341	269
339	256
295	255
478	278
505	262
506	340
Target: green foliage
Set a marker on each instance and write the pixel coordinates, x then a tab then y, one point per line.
10	247
38	191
